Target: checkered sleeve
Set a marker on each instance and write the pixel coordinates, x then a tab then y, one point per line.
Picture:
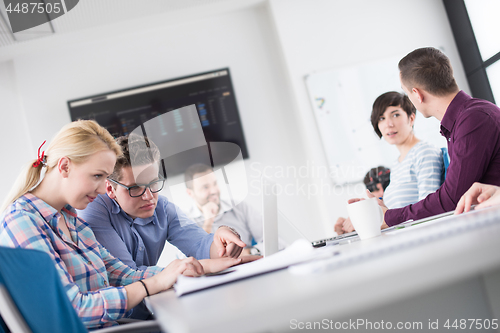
96	308
120	274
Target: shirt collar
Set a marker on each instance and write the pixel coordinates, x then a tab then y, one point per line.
47	211
114	206
454	109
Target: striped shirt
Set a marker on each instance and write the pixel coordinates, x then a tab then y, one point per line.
92	277
418	175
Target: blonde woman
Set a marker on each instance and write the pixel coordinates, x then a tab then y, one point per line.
101	288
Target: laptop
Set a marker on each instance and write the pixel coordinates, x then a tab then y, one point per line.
354	235
269	216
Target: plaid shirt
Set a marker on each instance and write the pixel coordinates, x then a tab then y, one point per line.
92	277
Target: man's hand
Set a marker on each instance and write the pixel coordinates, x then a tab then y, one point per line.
343	225
219	264
209	211
226	244
481	194
338	225
249	258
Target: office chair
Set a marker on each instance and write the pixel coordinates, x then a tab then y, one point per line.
33	299
446	162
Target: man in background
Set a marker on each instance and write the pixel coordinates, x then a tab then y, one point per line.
376	180
210	212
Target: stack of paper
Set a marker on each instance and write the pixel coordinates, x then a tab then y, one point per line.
300	251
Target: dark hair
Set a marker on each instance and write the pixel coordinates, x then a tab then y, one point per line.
391	98
429	69
193	170
137	150
377	175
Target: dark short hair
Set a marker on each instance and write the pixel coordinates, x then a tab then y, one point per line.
137	150
391	98
193	170
377	175
429	69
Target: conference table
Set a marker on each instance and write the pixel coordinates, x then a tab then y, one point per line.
427	277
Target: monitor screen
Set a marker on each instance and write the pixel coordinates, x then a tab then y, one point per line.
120	112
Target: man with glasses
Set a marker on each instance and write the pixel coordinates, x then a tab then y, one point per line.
133	222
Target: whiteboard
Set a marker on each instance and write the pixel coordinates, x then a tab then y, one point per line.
342	101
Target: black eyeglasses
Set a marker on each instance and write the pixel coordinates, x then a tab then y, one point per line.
138	190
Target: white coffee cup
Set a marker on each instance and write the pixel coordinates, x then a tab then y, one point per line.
366	217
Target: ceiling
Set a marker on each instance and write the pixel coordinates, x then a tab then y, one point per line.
94	13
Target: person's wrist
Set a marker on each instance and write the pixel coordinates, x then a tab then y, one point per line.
145	288
231	229
255	251
151	285
208	222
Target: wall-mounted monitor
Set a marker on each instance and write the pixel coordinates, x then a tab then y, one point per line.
120	112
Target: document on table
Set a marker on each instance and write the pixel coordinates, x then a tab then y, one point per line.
300	251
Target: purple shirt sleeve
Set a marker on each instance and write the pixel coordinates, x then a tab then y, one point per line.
472	147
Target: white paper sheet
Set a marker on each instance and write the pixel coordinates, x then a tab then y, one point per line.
300	251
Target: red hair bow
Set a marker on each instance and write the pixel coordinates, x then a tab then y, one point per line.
40	158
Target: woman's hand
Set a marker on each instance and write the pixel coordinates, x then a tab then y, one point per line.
380	201
162	281
168	276
382	205
344	225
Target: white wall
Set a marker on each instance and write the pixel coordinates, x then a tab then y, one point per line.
15	143
80	64
269	49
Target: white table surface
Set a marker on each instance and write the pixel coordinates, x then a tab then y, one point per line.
366	275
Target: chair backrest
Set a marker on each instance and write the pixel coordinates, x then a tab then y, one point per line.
446	161
38	301
3	327
9	311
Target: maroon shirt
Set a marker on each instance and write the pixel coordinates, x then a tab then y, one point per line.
472	128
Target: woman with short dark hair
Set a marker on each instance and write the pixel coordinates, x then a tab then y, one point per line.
418	170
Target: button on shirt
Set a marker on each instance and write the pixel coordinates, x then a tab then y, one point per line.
85	267
139	242
472	128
